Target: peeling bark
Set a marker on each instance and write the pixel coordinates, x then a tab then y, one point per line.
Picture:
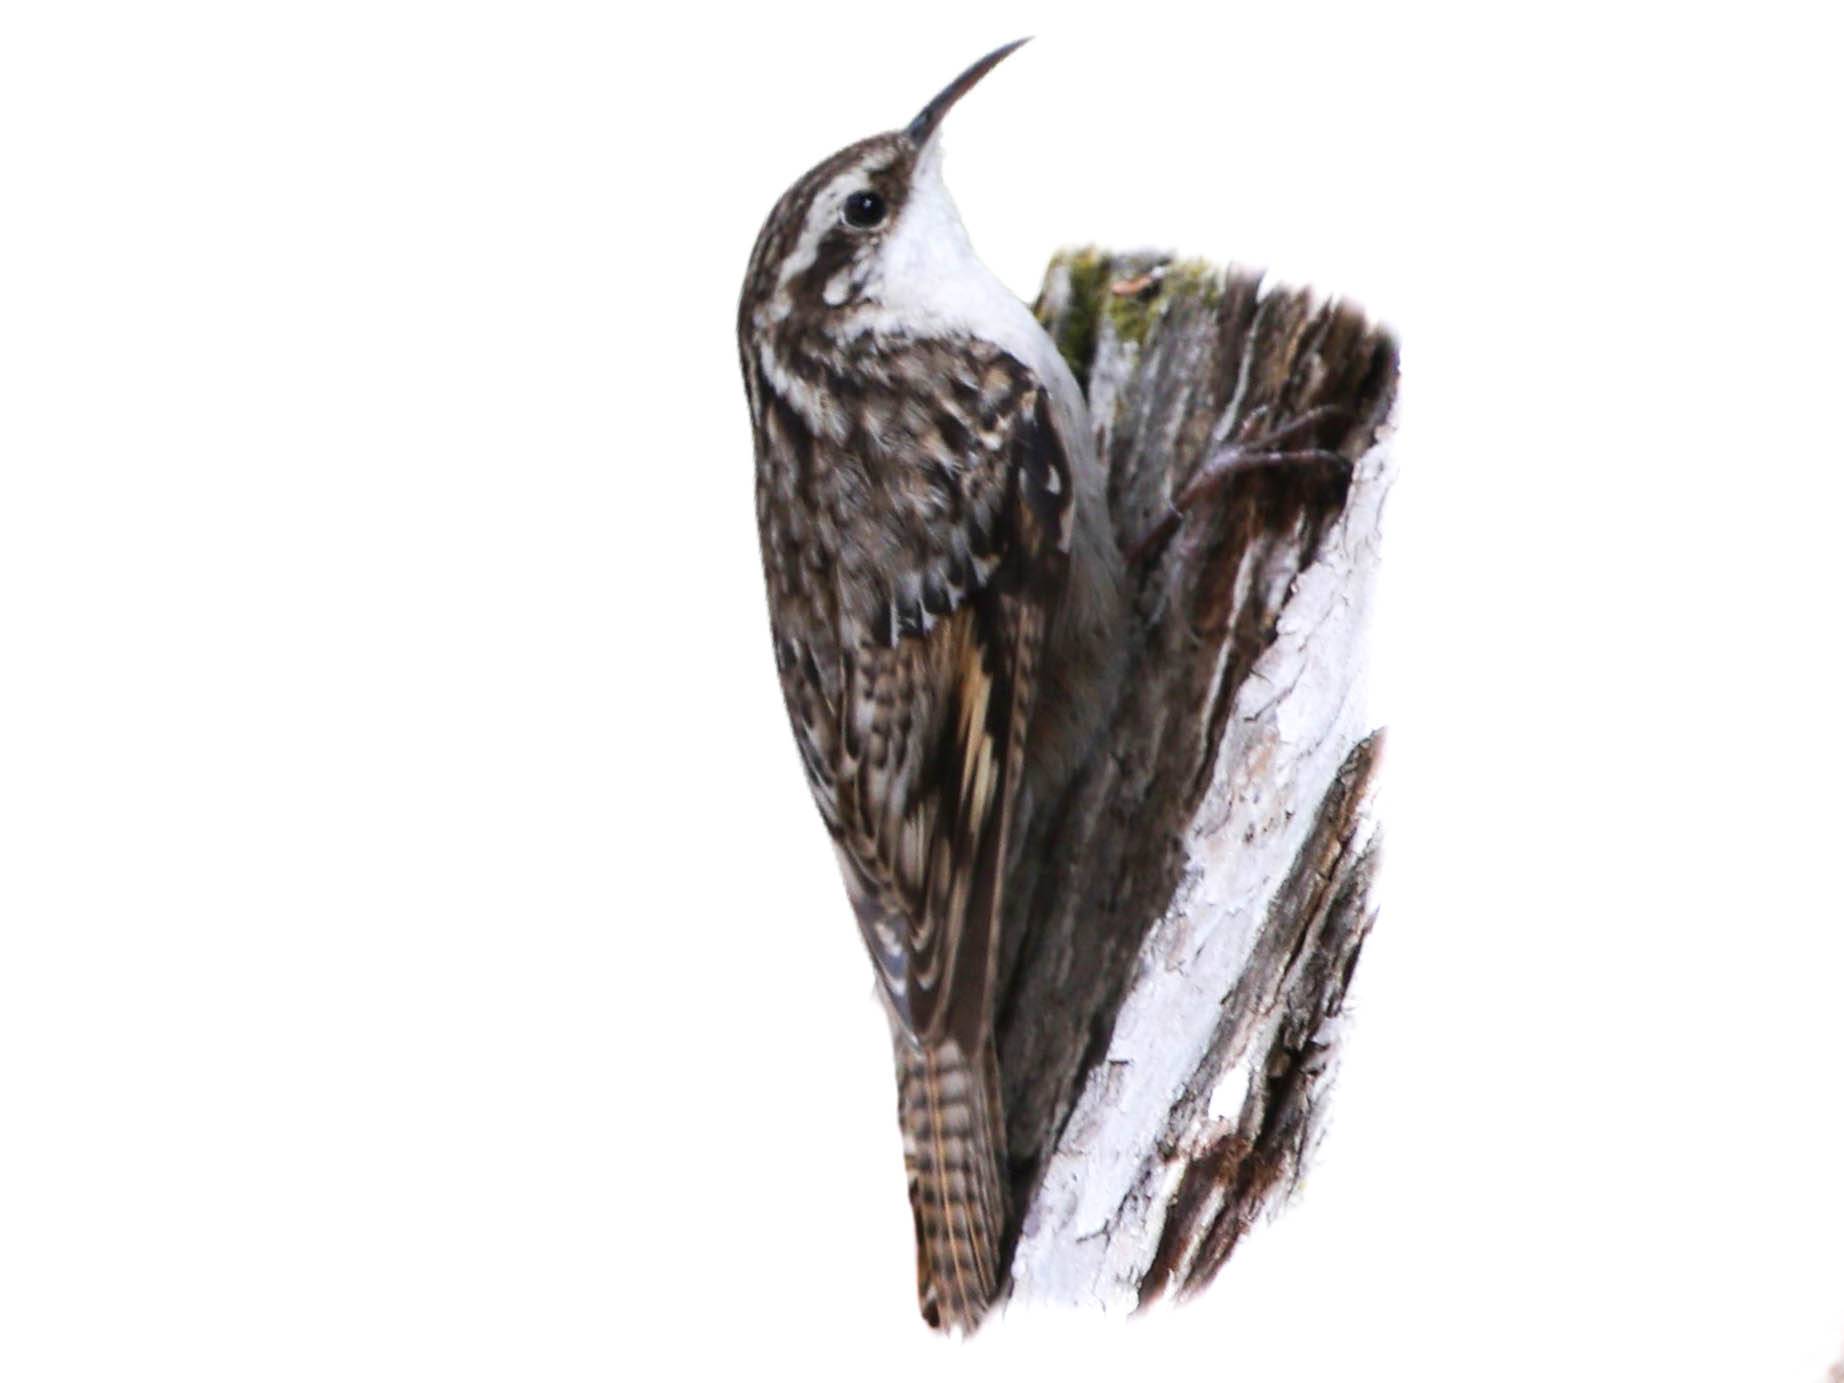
1182	932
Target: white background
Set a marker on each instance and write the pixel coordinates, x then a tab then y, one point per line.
420	958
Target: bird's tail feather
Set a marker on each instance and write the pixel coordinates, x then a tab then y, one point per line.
954	1145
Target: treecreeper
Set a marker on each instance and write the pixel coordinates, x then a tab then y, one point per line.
953	615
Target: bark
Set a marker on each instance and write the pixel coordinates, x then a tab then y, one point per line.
1181	936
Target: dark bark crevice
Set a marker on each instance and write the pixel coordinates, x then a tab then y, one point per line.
1228	709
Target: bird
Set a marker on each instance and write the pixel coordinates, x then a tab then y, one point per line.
945	600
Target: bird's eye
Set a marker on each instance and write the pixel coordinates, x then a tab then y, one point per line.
864	210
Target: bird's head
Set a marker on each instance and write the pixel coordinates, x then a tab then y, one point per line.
870	234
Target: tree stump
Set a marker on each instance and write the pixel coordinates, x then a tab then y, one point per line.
1184	923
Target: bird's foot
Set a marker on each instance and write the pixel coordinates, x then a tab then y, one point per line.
1249	454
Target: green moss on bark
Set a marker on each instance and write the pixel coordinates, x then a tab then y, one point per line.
1078	329
1134	312
1127	293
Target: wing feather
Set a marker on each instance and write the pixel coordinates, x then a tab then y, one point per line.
931	759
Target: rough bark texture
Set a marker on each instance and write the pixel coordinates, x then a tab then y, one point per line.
1181	938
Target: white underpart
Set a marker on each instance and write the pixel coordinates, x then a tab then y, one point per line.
927	281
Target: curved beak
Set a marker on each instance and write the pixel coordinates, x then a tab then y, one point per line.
924	125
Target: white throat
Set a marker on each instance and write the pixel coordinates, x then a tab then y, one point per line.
928	280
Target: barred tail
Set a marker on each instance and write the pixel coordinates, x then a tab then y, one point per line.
954	1145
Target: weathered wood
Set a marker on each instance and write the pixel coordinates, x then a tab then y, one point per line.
1185	922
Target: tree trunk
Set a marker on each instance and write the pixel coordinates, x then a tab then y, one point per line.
1182	932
